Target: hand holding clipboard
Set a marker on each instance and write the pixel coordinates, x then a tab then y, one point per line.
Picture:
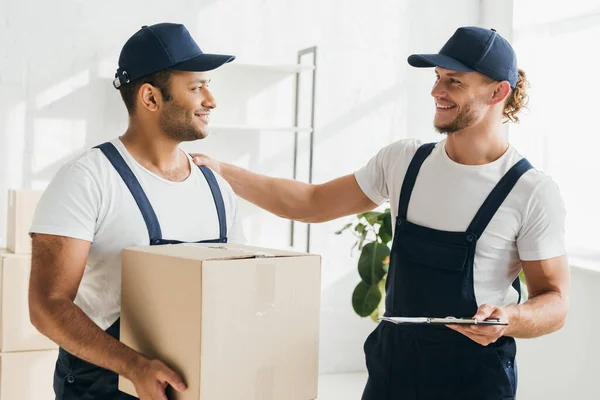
441	321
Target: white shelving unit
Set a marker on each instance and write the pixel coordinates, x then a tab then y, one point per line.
265	100
223	127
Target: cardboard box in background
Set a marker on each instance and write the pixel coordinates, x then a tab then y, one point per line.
21	207
27	375
237	322
16	331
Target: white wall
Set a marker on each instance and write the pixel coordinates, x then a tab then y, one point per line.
56	99
565	364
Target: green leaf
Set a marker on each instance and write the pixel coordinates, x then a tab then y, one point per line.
385	230
370	216
375	315
380	310
370	263
360	228
365	299
362	239
344	228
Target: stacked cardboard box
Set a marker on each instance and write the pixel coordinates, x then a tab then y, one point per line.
237	322
27	357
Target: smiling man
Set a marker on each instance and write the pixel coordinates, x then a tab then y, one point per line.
470	214
136	190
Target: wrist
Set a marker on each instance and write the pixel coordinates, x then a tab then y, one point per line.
135	367
513	317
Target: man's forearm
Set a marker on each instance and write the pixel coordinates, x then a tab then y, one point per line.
283	197
65	323
539	315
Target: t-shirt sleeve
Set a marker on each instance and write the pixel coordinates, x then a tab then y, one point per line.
235	228
69	205
373	178
543	233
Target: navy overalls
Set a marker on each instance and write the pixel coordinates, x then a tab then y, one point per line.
431	275
76	379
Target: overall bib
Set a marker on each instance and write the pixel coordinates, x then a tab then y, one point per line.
431	275
76	379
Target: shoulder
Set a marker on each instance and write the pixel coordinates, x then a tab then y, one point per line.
540	196
535	183
403	147
90	165
398	153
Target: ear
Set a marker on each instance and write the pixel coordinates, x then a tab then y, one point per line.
501	92
150	97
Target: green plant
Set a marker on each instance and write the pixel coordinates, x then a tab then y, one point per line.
373	231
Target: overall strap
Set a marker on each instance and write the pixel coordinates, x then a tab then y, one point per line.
115	158
411	176
496	197
218	197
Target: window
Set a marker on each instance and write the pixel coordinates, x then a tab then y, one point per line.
557	46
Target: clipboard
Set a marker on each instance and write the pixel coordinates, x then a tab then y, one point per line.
440	321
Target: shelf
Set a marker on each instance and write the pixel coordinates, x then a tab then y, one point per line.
241	80
224	127
266	68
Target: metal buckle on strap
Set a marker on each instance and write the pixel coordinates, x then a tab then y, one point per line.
118	82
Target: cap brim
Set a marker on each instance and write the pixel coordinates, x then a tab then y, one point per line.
437	60
203	62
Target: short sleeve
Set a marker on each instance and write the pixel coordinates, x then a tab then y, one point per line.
542	235
373	178
69	205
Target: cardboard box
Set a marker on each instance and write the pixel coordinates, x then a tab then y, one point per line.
236	322
21	207
27	375
16	331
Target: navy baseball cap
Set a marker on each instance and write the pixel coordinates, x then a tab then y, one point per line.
163	46
473	49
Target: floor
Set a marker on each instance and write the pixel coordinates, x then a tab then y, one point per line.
342	386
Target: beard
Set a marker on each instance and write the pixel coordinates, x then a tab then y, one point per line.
178	123
463	120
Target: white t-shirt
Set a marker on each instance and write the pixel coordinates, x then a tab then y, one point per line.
529	225
87	199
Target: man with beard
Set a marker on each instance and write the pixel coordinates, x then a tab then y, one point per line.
138	189
470	213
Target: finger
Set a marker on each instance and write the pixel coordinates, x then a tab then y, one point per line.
499	313
170	377
484	311
200	160
481	337
476	338
489	330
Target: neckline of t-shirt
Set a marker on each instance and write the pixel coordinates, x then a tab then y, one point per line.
128	155
441	147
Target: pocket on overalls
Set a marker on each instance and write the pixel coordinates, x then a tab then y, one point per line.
428	274
370	339
506	353
378	352
429	253
76	379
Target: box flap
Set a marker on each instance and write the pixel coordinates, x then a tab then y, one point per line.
215	251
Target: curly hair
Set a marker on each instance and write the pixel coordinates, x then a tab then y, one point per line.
517	99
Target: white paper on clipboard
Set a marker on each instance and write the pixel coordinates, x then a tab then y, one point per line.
440	321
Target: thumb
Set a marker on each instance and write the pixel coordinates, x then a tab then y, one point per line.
173	379
200	159
484	311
